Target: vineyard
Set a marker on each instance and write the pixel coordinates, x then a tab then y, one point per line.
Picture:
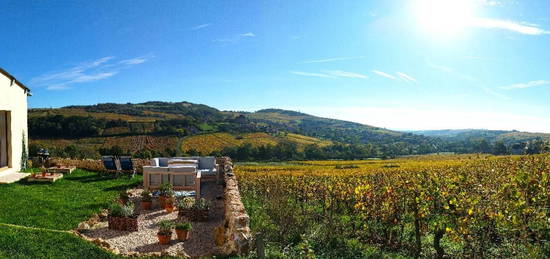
208	143
127	143
430	206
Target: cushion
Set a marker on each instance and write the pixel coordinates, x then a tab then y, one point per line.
207	162
163	161
208	171
155	162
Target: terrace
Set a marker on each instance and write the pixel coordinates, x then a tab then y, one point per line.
75	206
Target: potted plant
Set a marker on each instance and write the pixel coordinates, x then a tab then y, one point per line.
124	197
165	191
122	217
185	205
165	231
193	210
182	230
169	204
146	200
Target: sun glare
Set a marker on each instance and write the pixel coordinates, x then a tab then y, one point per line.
443	17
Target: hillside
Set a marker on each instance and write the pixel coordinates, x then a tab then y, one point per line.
166	128
507	136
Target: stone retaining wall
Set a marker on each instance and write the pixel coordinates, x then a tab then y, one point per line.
234	237
95	165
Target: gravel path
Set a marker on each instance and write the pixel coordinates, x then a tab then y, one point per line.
200	243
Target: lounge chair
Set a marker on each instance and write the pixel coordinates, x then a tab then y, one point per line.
127	166
110	164
208	166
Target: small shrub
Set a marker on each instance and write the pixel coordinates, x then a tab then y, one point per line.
119	210
165	227
186	203
202	204
146	196
166	189
184	226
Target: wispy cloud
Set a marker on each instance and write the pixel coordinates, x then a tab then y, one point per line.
332	59
334	74
134	61
406	78
300	73
474	81
519	27
340	73
200	26
383	74
235	38
85	72
526	85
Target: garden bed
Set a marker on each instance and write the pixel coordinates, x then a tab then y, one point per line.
145	242
49	177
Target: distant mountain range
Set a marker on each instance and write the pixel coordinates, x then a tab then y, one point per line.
165	128
507	136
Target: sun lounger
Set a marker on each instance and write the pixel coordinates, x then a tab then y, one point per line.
127	166
110	164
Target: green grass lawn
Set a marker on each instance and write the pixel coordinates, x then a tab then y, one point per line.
53	208
18	242
60	205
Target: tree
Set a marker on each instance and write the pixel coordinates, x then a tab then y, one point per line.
500	148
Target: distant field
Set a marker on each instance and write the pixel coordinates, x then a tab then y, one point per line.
101	115
207	143
204	143
127	143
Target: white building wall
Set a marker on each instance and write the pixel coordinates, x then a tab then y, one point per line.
13	98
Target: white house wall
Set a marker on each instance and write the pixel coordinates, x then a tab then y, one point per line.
13	98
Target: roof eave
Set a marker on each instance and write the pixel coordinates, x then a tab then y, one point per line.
8	75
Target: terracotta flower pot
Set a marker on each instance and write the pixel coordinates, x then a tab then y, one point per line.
162	201
169	207
182	234
164	239
146	205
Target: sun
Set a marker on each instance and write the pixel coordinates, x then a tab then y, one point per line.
443	17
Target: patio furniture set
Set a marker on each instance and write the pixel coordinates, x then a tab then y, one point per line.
183	173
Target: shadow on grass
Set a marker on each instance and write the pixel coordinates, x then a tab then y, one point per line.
29	183
121	187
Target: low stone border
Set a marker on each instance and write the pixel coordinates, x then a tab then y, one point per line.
234	237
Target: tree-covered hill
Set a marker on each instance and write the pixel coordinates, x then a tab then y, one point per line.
167	128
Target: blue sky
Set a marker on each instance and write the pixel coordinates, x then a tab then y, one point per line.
422	64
